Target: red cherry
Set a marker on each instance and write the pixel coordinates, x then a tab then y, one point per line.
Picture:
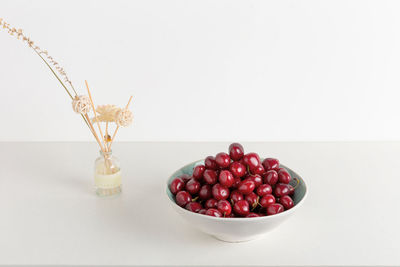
176	185
224	207
252	215
252	160
252	198
211	203
258	170
213	212
270	177
284	177
198	172
193	186
220	192
270	164
241	208
236	183
281	190
257	179
274	209
202	211
237	169
236	151
226	178
264	189
210	176
193	206
205	192
223	160
236	196
210	163
182	198
267	200
246	187
286	202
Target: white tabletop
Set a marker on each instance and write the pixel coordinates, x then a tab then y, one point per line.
50	215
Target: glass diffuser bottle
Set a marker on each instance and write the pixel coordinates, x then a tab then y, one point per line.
107	175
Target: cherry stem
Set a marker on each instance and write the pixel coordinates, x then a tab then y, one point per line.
195	199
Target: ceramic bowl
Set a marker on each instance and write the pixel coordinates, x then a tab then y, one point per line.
236	229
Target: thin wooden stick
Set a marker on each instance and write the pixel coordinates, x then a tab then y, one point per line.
95	115
94	133
116	130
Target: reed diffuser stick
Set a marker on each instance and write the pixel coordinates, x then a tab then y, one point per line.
95	134
116	130
95	115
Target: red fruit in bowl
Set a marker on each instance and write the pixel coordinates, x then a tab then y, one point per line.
193	206
182	198
213	212
236	151
270	177
252	160
257	170
257	179
198	172
237	169
264	189
270	164
241	208
205	192
193	186
220	192
286	202
223	160
210	163
281	190
246	186
252	215
284	177
236	196
224	207
267	200
274	209
176	185
210	176
211	203
236	183
226	178
252	199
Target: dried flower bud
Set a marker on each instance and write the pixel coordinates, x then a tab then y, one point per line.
124	117
81	104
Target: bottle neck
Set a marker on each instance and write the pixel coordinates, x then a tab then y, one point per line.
107	154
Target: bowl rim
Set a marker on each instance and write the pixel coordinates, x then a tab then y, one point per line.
284	213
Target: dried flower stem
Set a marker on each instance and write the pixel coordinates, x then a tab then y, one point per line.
106	136
95	115
116	130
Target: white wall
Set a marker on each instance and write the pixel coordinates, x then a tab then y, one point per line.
207	70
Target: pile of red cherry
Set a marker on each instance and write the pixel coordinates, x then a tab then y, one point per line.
235	185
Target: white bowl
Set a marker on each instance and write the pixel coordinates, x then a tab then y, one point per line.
236	229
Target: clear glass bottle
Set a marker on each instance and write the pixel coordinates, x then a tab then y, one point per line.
107	175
